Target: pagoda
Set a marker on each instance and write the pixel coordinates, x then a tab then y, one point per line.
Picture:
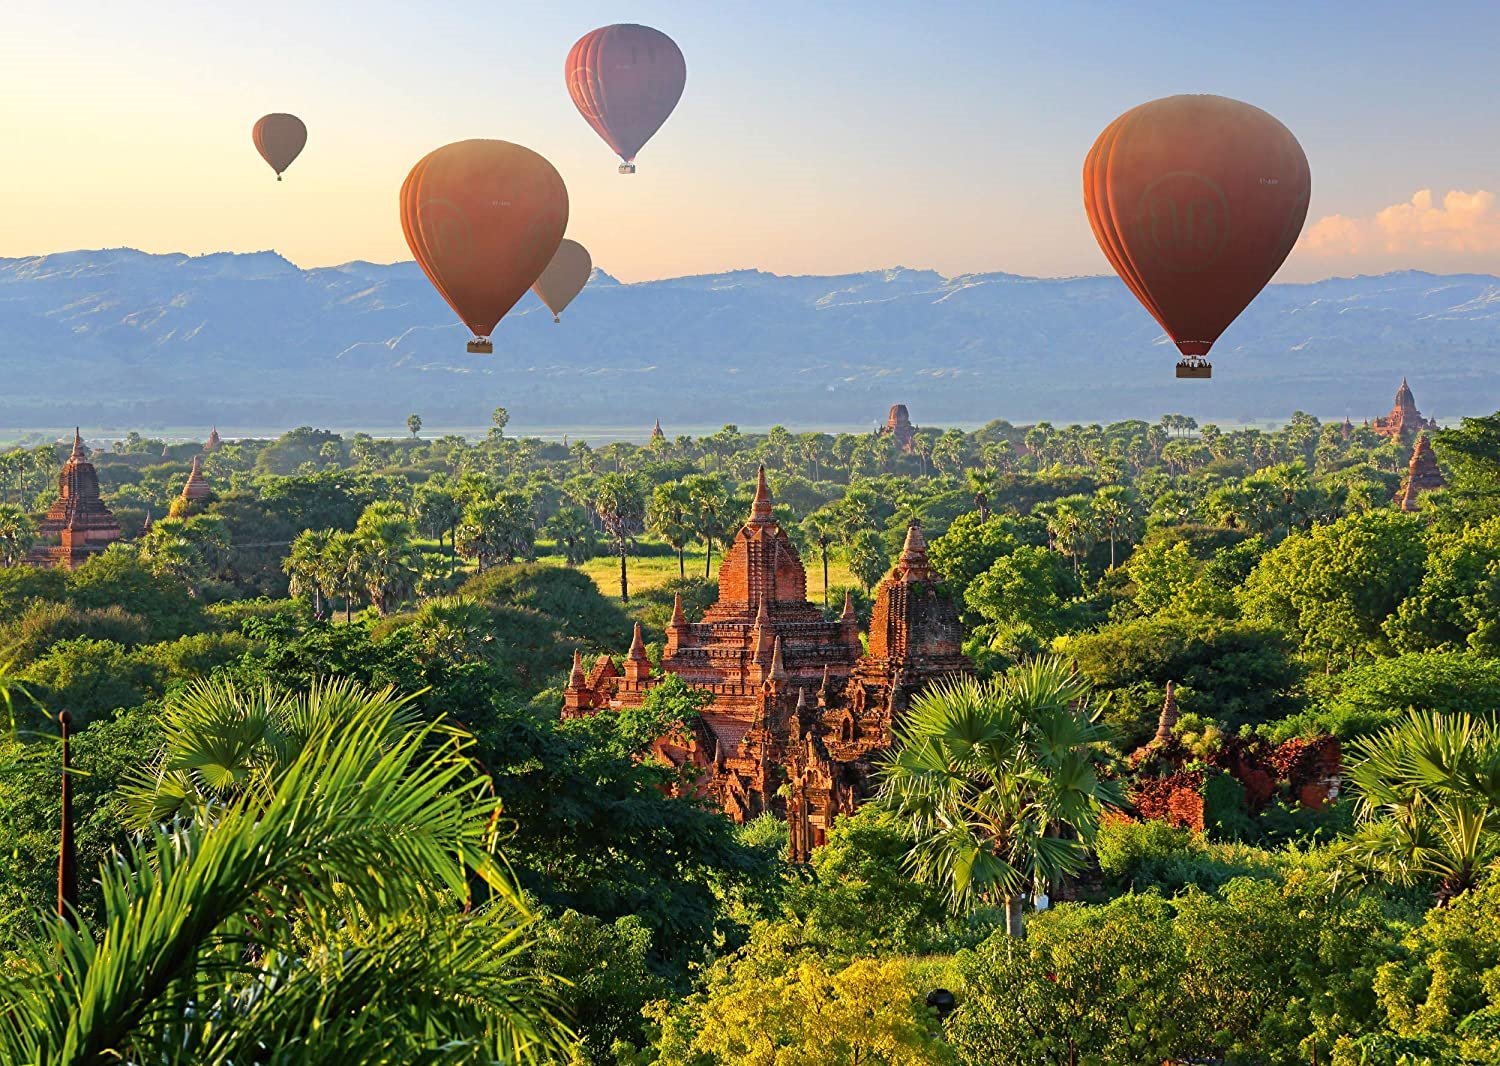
214	441
78	524
657	434
898	425
1422	474
796	699
194	493
1405	421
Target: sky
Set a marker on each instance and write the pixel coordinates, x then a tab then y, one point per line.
814	137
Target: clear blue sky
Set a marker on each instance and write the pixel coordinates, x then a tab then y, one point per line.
813	137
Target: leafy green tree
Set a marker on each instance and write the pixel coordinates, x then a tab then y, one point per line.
670	516
711	515
1334	587
868	561
1457	605
620	502
1428	791
1115	515
573	533
385	556
1470	454
17	534
414	425
306	565
499	419
1030	589
341	869
1000	780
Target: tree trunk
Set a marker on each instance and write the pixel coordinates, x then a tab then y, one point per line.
1111	547
708	557
681	563
825	575
624	582
1015	924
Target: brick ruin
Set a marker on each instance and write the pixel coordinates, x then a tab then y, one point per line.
800	710
1422	474
78	524
898	426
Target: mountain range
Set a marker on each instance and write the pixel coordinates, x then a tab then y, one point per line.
122	338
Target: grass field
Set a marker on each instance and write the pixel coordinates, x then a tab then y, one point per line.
647	572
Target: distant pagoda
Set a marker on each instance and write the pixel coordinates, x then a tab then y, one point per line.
656	432
194	493
898	425
1422	474
78	524
1405	421
213	442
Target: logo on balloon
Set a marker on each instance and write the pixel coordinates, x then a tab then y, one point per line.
446	231
1184	219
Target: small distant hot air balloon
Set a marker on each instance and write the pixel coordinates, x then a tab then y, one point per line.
483	219
1196	201
279	139
625	80
564	277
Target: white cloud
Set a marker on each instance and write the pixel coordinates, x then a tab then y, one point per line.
1464	222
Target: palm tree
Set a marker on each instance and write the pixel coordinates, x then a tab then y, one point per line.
306	564
385	555
17	534
340	569
439	510
414	423
1114	511
1428	800
823	529
621	504
710	513
670	517
339	900
573	533
981	482
1000	780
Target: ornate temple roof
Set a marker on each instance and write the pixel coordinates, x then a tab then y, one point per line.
78	524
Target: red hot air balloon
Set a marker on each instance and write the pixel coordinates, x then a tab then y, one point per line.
279	139
564	277
625	80
1196	201
483	219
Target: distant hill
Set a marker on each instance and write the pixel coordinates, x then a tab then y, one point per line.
124	338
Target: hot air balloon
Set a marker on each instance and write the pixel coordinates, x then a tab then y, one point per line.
625	80
483	219
1196	201
564	277
279	139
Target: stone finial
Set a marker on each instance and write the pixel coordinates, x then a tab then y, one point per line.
849	617
1168	716
914	563
777	674
575	679
678	621
761	512
637	645
637	666
77	453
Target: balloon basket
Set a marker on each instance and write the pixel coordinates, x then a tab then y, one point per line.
627	168
481	348
1195	368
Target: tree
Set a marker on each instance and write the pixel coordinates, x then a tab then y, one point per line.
711	518
1428	794
17	534
1000	781
1114	512
1471	456
620	503
439	510
1457	605
822	528
670	516
385	555
335	870
573	533
499	419
1029	589
414	424
868	561
306	565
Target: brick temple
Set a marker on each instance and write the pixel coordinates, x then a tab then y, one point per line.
1422	474
800	710
1405	422
898	426
78	524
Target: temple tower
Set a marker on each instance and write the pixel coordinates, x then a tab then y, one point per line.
78	524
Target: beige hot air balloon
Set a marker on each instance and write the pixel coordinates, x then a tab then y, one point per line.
564	277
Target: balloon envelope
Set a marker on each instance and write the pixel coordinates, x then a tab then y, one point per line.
625	80
1196	201
279	139
483	219
565	276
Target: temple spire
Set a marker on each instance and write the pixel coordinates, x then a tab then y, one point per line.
778	674
77	445
637	645
576	679
1168	716
914	564
761	512
678	621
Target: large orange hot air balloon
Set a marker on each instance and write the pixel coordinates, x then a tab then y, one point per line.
564	277
625	80
1196	200
483	219
279	139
